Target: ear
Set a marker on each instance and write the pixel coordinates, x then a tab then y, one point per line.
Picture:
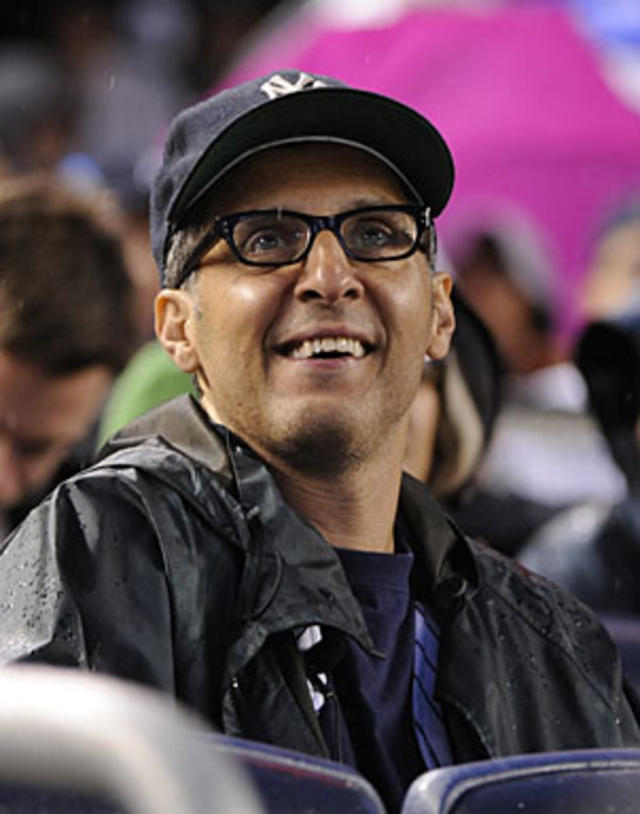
443	321
174	319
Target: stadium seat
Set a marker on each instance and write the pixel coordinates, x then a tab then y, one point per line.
79	743
575	782
289	782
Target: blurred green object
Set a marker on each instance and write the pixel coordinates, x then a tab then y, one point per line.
149	378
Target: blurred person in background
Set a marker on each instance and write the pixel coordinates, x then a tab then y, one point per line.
66	330
36	109
452	420
454	411
505	273
547	450
612	282
593	548
126	67
129	66
124	64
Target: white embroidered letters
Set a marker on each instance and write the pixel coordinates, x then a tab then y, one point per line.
278	85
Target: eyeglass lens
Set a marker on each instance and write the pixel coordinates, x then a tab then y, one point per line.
272	237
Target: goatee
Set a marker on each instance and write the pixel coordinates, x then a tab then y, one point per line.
319	448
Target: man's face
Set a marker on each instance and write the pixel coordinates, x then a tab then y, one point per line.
246	326
41	418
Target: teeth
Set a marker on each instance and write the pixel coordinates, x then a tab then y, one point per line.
328	344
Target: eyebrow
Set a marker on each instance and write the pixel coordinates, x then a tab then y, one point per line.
376	200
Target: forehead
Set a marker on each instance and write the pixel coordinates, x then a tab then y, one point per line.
331	175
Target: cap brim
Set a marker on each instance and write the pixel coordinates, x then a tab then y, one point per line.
395	132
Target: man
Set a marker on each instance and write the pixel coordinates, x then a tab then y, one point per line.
259	554
65	332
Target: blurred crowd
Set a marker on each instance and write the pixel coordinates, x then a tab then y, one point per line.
537	431
88	87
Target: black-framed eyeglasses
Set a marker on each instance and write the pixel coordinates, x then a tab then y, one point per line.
277	237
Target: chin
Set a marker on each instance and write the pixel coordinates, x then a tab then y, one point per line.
319	445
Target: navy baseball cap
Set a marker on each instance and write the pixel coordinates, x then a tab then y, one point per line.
207	140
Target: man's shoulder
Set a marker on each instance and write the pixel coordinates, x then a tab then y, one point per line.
167	458
556	668
532	595
520	600
145	481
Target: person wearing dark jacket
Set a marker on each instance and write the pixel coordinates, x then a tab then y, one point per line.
257	552
593	549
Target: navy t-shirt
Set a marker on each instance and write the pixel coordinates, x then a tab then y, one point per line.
375	693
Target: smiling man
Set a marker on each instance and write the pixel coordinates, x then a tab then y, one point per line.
258	552
306	337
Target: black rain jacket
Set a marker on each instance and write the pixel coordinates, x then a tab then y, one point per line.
175	562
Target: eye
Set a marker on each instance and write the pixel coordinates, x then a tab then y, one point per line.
264	240
372	233
31	450
270	238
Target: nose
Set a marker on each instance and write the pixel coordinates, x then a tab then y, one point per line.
327	274
12	485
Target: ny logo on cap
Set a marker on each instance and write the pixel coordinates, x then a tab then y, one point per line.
277	85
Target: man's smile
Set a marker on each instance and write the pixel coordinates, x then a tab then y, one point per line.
325	347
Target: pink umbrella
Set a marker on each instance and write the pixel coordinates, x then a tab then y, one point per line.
518	93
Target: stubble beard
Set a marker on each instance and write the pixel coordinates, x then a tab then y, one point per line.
326	442
319	447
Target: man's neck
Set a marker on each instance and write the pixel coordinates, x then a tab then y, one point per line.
355	509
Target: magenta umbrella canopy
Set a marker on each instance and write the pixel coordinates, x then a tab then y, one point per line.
519	95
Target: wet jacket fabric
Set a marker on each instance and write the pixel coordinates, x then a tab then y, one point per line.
174	561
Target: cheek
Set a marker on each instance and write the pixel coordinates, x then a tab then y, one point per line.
237	313
409	312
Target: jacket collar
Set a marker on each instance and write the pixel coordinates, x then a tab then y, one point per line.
311	586
291	576
447	568
182	424
304	569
